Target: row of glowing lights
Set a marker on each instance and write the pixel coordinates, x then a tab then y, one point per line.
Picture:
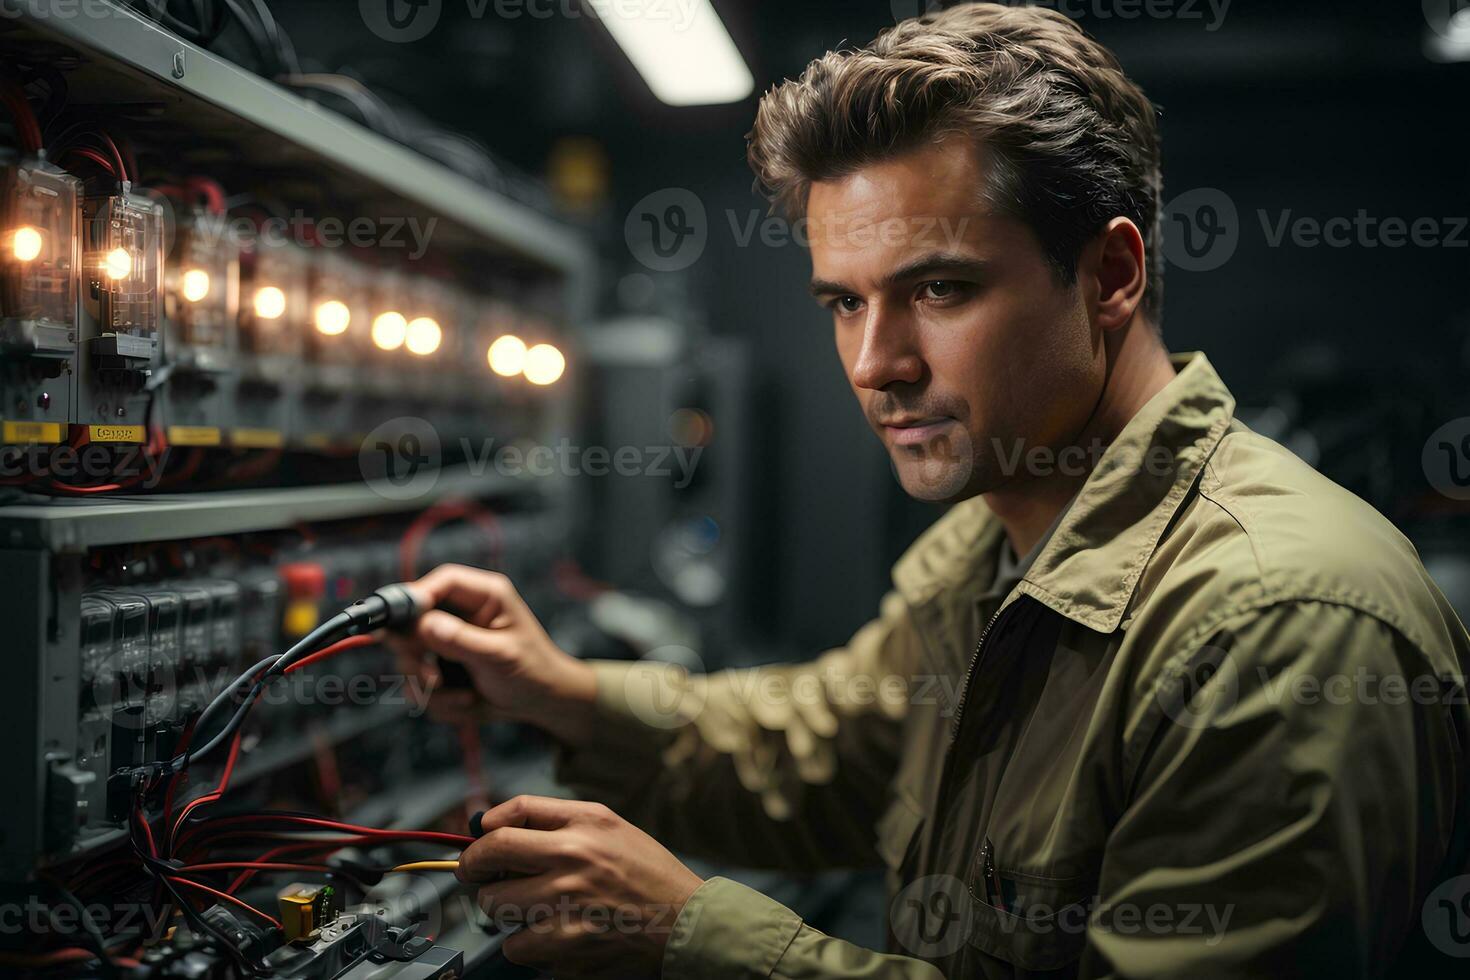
27	243
508	356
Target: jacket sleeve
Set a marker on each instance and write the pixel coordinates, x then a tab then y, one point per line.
729	932
769	767
1292	799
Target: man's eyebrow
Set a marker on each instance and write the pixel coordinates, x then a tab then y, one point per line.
925	265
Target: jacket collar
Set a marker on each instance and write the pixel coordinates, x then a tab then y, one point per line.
1090	566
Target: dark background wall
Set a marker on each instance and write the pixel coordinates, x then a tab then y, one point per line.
1313	108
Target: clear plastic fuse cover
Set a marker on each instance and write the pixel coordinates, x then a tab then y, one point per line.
125	261
38	253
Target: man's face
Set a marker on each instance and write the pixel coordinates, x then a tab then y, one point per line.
962	345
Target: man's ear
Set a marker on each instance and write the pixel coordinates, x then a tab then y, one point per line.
1119	268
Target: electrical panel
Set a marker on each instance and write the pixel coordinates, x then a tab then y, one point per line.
230	423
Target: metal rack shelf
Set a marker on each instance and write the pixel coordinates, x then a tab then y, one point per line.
190	82
70	525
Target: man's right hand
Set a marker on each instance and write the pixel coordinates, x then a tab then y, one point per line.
517	671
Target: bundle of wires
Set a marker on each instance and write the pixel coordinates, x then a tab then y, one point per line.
181	856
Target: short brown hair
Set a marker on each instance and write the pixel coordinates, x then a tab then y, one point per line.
1074	141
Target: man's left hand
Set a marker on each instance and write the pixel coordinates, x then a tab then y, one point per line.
592	894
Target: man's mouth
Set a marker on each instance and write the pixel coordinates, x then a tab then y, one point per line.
914	431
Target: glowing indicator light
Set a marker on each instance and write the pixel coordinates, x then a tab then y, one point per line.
196	285
270	303
118	264
26	244
424	336
544	364
389	331
333	317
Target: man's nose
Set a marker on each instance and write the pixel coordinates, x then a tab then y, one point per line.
887	352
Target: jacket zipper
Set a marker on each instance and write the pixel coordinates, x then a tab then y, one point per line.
959	708
946	776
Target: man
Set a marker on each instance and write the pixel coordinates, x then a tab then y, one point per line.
1152	699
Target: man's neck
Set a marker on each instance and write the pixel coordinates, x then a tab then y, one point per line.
1139	369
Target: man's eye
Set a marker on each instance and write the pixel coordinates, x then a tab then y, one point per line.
847	304
940	289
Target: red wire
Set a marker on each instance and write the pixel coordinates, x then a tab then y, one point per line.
327	846
214	794
26	124
423	525
341	646
95	157
256	866
228	898
173	783
211	191
426	835
122	168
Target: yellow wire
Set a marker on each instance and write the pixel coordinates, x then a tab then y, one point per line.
427	866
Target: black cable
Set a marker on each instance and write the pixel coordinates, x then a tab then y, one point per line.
258	38
272	666
391	606
152	866
95	941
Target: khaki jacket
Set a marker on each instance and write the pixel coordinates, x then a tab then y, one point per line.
1218	729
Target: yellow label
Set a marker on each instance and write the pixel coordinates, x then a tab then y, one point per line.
115	433
193	435
257	439
50	432
317	440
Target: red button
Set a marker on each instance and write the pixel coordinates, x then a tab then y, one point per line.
304	580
